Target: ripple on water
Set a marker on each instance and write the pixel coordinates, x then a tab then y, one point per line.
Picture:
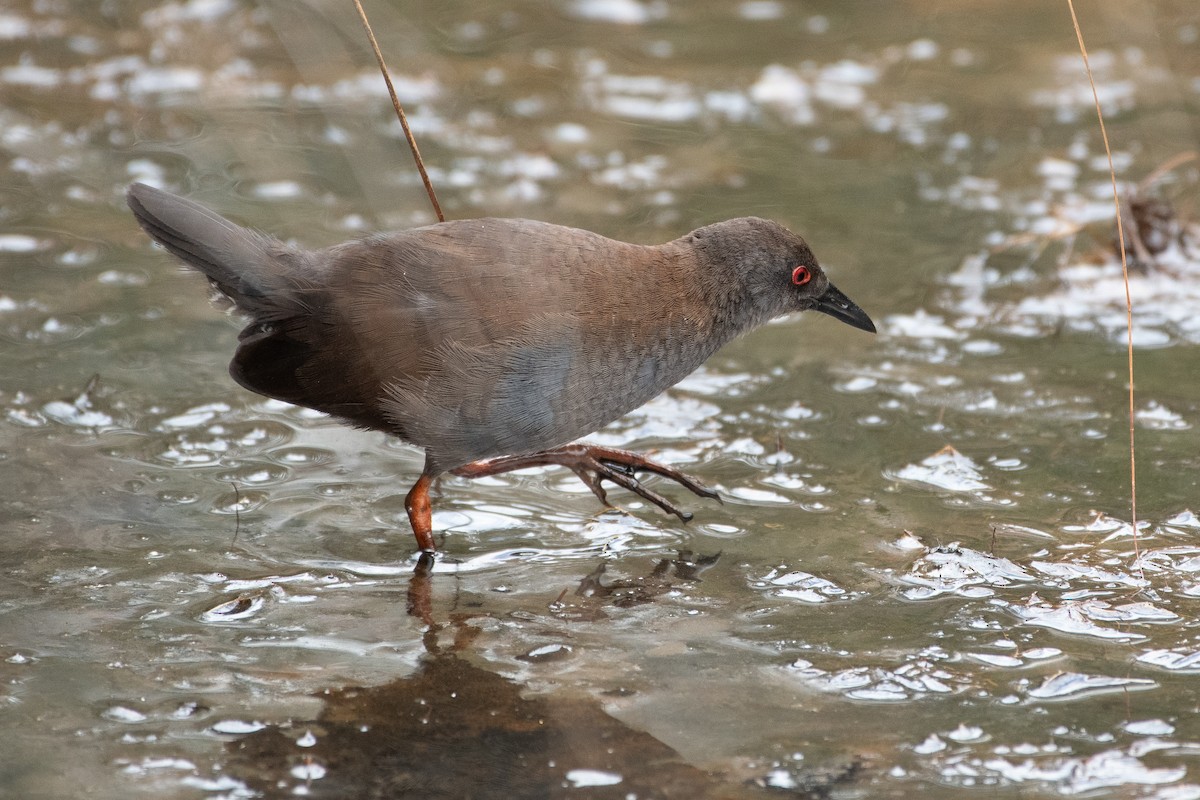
255	474
236	610
302	456
239	501
1081	594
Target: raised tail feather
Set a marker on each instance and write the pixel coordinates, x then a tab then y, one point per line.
267	280
248	267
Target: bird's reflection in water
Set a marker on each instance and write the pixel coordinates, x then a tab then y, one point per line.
593	595
455	729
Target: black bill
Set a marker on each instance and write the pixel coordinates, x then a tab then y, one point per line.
838	306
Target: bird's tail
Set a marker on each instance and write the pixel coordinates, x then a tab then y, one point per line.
257	272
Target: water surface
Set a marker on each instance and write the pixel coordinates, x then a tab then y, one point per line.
924	574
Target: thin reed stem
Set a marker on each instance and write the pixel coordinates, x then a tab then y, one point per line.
1125	274
412	142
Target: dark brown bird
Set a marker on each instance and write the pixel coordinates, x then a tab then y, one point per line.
493	343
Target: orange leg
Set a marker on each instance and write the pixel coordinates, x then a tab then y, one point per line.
420	513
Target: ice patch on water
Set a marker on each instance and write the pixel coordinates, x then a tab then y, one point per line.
922	50
1065	574
932	744
1083	617
278	190
236	727
175	13
1092	300
1156	416
123	714
957	570
841	83
621	12
77	415
1084	292
1101	523
1180	659
946	469
967	733
80	412
797	585
665	417
760	10
194	417
366	85
1184	519
753	495
706	382
921	325
1150	727
1073	685
13	26
1059	174
783	90
31	76
1083	295
919	677
20	243
583	778
1068	775
163	80
644	97
1071	96
308	771
996	660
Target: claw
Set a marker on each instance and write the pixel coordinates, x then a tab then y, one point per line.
595	464
625	469
592	482
630	482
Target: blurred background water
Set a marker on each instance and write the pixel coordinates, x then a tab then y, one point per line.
924	574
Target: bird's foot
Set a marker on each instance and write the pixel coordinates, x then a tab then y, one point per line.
593	464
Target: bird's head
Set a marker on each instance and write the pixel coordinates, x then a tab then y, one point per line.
775	268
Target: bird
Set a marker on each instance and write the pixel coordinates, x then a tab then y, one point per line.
493	344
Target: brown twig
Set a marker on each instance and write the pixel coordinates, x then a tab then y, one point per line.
1162	169
1124	273
412	142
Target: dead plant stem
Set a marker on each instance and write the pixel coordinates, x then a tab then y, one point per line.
1125	274
412	142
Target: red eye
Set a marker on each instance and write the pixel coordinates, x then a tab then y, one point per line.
801	276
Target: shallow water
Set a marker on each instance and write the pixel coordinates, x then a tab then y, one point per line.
924	573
